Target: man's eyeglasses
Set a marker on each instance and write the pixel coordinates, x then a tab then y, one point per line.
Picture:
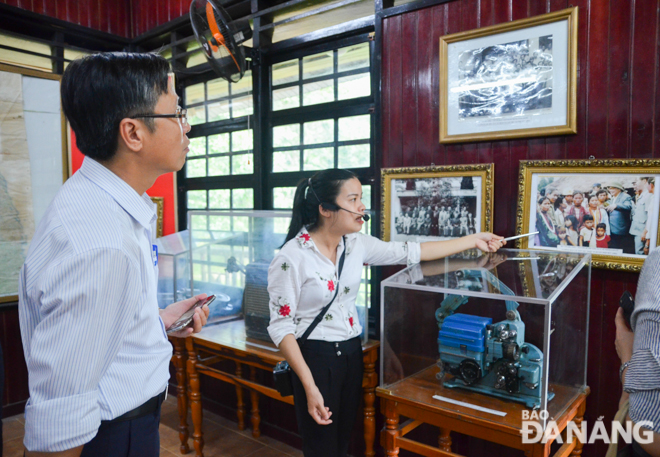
181	114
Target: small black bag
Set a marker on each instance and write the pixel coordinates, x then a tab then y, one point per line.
282	377
282	374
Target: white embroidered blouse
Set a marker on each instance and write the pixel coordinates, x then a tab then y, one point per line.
301	281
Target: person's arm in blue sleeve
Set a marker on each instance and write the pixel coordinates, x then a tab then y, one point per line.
87	303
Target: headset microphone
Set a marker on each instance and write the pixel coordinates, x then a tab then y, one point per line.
364	216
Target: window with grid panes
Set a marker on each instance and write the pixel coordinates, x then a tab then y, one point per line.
221	144
314	126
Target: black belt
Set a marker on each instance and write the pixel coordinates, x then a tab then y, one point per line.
148	407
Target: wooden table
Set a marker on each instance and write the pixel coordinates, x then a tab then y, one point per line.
196	356
412	398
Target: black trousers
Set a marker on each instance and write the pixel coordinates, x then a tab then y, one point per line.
130	438
337	370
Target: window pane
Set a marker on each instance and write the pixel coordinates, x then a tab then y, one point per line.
244	85
286	98
194	94
197	115
355	127
219	143
221	223
196	199
353	57
196	168
241	140
286	135
218	111
366	195
242	164
219	166
355	156
199	222
219	199
283	198
285	72
286	161
318	158
354	86
242	198
318	92
197	147
319	131
241	106
317	65
218	88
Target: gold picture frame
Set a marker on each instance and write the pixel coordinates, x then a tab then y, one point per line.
553	180
407	192
160	203
511	80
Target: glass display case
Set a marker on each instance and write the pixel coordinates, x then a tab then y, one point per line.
173	268
504	331
230	255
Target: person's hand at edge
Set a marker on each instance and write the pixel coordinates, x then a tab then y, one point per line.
174	311
316	408
624	337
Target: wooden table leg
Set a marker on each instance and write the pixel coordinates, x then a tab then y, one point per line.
391	431
577	450
254	397
195	398
444	441
240	411
179	360
369	383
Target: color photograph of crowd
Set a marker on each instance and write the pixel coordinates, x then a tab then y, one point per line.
615	213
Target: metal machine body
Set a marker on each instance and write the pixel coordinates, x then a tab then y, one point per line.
493	359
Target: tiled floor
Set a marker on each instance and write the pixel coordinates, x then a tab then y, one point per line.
221	437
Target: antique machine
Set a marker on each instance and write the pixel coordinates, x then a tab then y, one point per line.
489	358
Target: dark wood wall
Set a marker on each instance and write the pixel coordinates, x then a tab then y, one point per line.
617	108
126	18
16	379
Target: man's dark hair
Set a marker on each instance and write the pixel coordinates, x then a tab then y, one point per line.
100	90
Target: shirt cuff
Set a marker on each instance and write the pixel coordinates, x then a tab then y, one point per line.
414	252
278	332
62	423
645	407
643	373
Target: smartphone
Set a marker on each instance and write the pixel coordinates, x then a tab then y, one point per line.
627	302
186	319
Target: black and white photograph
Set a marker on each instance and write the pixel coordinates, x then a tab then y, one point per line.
613	214
506	79
434	207
510	80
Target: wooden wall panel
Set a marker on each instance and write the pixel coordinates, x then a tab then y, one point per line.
618	104
112	16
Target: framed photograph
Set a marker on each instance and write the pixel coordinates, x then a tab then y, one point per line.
437	202
33	163
608	208
511	80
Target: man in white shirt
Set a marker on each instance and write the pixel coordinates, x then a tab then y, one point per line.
93	335
639	214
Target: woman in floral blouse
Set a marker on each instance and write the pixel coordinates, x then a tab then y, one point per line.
303	278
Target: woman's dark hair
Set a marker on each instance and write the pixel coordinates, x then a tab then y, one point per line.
321	189
100	90
602	191
542	199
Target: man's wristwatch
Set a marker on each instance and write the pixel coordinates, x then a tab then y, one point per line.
623	367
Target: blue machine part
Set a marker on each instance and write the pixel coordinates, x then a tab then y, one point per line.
493	359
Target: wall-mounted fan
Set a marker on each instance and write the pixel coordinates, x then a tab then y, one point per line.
220	38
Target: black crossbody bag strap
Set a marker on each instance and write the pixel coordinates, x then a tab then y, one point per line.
318	318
